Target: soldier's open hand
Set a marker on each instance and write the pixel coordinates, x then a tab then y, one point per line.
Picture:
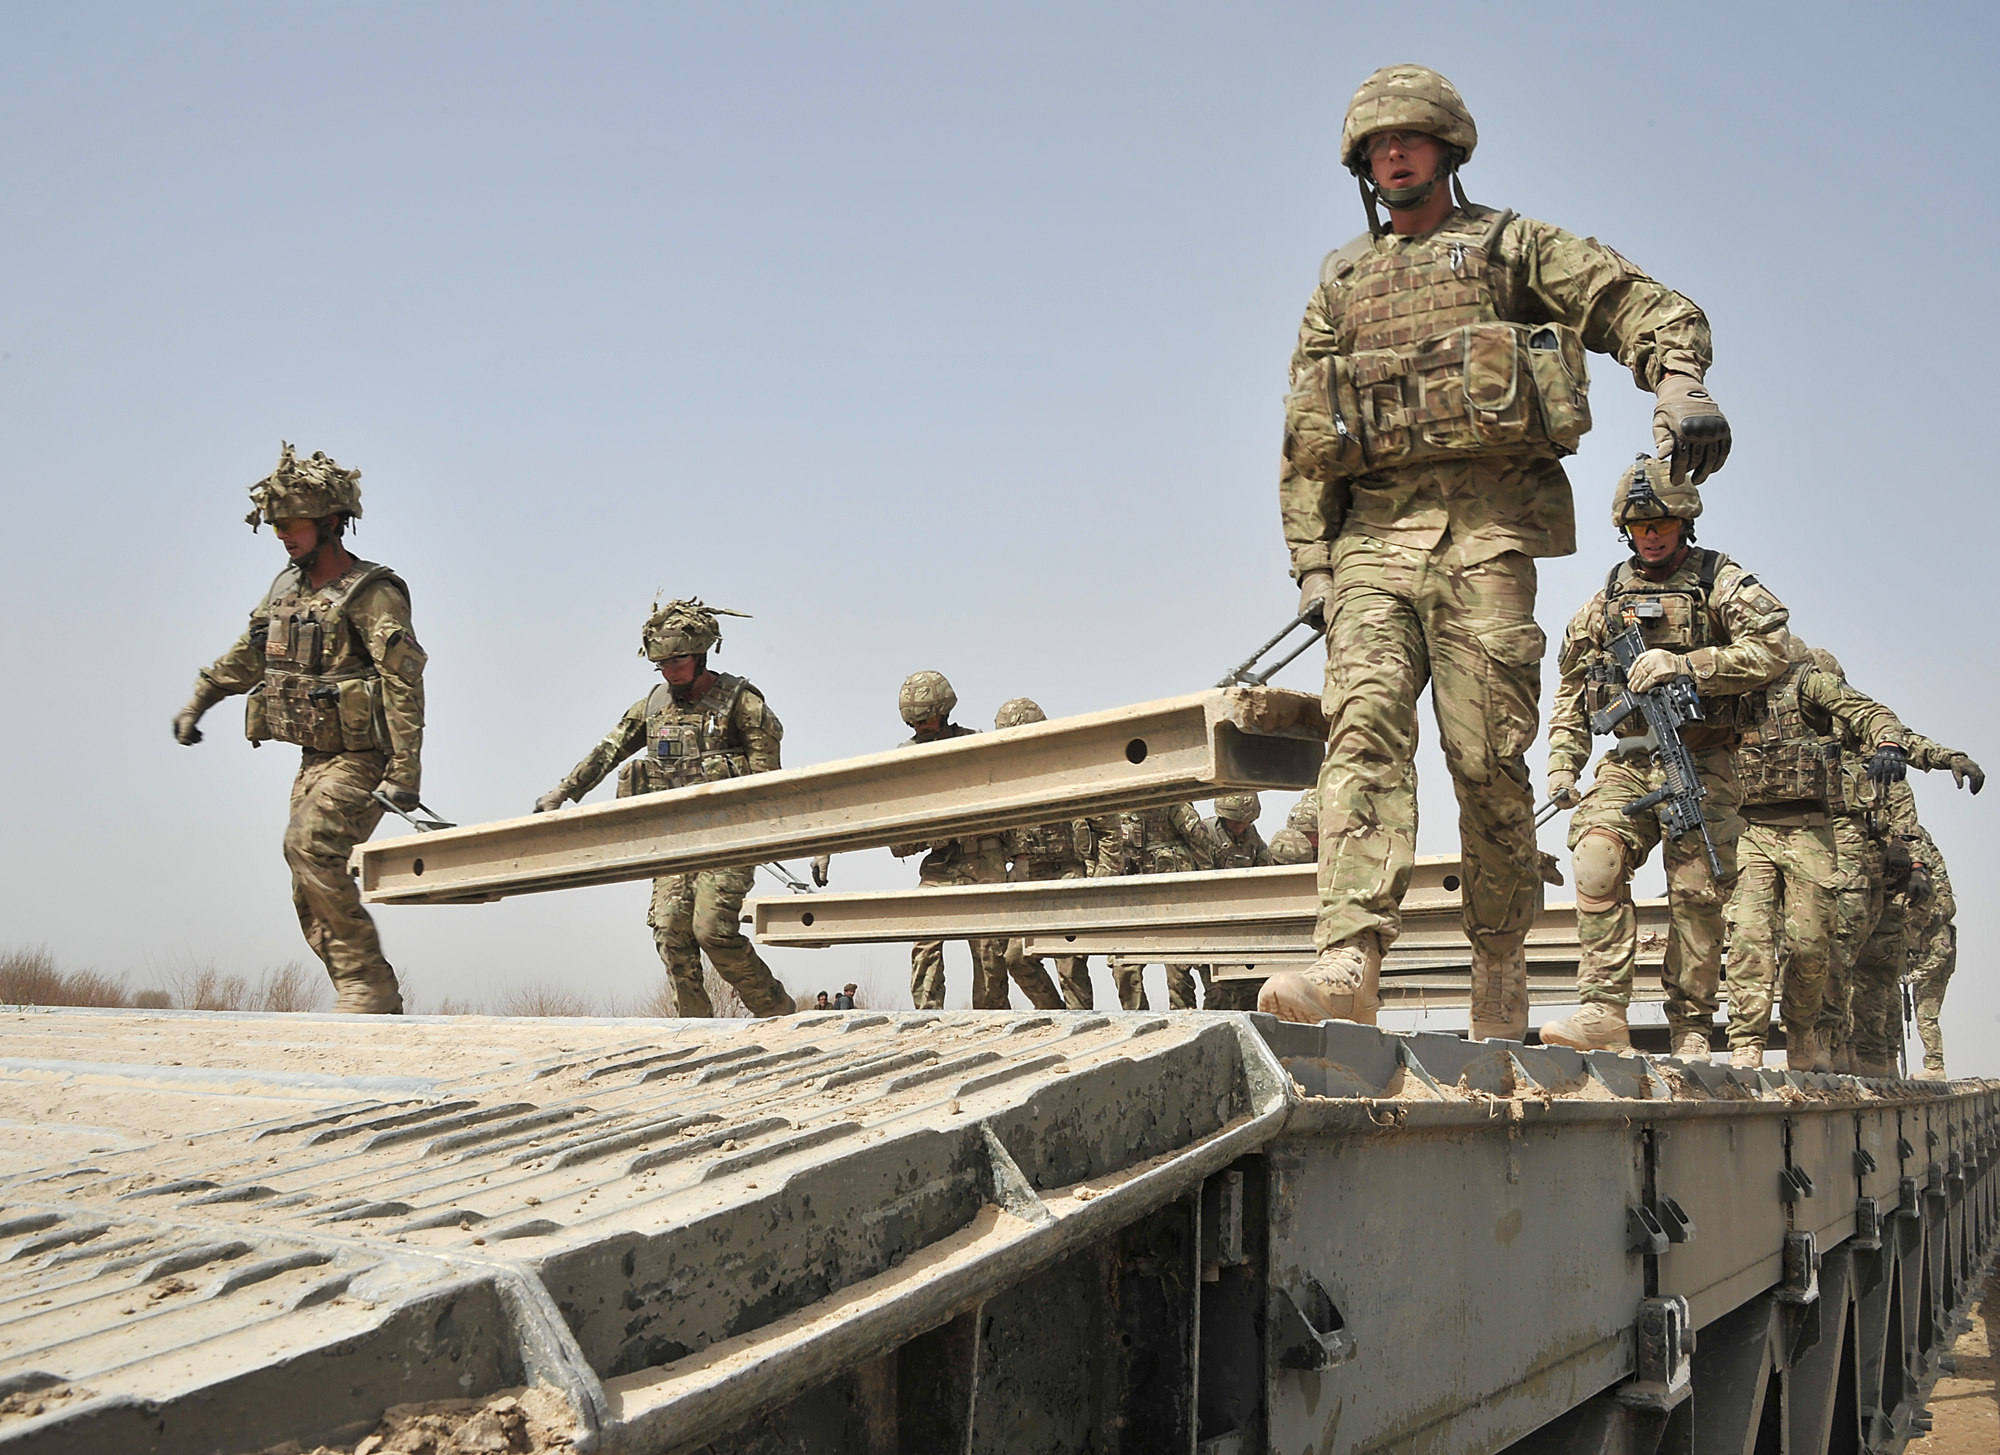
1963	769
187	734
1690	430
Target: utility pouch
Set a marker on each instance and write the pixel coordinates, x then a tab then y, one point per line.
256	725
1323	418
359	710
1560	368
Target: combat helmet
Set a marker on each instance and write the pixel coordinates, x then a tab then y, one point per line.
1646	491
925	695
1406	98
1827	662
1239	807
309	489
1015	711
1305	813
683	629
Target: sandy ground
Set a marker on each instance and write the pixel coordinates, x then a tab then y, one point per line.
1965	1406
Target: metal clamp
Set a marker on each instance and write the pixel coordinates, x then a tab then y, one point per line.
1867	1226
1662	1355
1801	1280
1794	1183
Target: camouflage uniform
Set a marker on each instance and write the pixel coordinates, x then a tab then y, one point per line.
1875	1007
1428	498
1231	852
337	670
1732	630
1050	851
1933	953
1167	840
718	727
1294	843
1787	764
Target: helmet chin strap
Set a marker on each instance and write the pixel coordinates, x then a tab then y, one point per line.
1407	199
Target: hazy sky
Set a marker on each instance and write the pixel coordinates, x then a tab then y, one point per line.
933	336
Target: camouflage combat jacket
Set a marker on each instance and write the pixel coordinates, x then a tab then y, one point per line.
724	731
333	668
1727	623
1248	852
1788	759
942	854
1421	356
1171	839
1061	850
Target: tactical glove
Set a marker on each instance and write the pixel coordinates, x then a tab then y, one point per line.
1919	887
1689	429
1654	667
821	868
1316	595
1562	787
404	798
1963	768
1890	764
549	802
187	734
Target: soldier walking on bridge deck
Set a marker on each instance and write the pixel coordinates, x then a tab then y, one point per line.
1703	617
697	726
1439	379
329	662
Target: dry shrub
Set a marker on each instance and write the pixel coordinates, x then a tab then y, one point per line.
290	987
543	999
198	986
32	977
152	1000
452	1005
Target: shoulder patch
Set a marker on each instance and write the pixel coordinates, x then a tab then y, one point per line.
1340	262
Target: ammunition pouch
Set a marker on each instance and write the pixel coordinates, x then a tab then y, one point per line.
1483	388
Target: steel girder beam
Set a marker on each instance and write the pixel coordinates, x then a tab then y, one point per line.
1133	757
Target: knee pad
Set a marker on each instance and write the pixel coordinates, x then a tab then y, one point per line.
1599	864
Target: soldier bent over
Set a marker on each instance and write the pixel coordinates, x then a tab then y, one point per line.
1170	839
1439	379
1238	845
698	726
1702	617
330	663
1787	763
1059	850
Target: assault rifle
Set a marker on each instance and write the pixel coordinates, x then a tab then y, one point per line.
1666	709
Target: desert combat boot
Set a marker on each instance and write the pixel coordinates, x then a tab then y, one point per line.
1344	984
1805	1051
1597	1027
1499	995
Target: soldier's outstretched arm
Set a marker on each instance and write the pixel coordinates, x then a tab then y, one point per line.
1931	756
1194	833
235	671
625	739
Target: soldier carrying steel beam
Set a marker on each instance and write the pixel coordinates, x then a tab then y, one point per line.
698	726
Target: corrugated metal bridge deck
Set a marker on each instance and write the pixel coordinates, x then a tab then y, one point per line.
914	1232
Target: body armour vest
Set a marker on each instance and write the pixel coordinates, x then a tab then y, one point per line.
1780	758
320	689
692	742
1676	617
1151	845
1428	367
1049	846
1234	853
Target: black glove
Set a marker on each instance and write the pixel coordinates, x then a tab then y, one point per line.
1890	764
1919	884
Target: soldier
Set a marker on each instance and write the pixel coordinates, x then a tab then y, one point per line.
1786	763
1933	955
1702	617
1298	841
697	726
1060	850
1869	858
1238	845
1438	381
330	663
1170	839
925	701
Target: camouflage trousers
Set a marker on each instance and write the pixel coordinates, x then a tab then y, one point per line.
1032	974
696	913
985	865
1610	938
1227	994
332	811
1931	964
1875	1010
1131	983
1402	617
1785	885
1858	900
